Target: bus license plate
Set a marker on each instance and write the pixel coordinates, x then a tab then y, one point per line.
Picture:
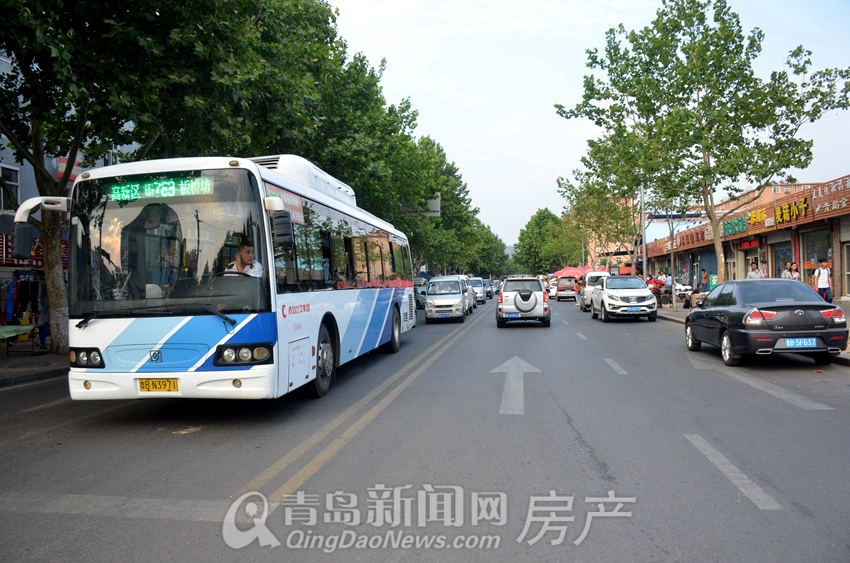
158	385
634	309
511	315
800	342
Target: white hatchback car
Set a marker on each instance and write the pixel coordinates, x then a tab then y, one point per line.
622	296
523	299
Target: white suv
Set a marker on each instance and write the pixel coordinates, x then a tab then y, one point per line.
622	296
523	299
589	282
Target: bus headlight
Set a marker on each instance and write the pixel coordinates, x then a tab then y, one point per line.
86	358
243	355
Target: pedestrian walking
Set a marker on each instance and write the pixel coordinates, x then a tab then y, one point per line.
822	280
795	272
786	273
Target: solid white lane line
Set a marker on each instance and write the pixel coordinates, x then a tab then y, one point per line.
700	361
116	507
752	491
777	391
565	322
580	335
616	367
47	405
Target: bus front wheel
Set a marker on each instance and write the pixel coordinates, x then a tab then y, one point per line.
325	363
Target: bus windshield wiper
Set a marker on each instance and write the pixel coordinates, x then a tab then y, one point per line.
215	311
86	318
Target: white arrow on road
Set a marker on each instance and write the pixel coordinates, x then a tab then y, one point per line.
513	397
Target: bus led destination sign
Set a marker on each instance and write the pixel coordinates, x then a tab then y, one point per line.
162	188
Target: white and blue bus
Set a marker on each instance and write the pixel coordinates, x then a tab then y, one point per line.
165	301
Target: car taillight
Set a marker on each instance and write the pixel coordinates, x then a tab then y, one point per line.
756	317
837	315
501	298
545	297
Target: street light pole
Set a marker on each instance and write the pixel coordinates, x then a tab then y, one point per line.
643	232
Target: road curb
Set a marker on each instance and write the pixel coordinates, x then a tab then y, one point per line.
30	377
672	319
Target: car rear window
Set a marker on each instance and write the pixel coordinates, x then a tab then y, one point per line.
477	283
566	282
443	287
591	281
518	285
769	291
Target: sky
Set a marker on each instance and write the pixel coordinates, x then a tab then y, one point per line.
485	75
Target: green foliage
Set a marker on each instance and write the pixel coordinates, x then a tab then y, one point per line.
534	252
684	91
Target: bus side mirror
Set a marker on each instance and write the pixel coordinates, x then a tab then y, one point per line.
23	241
283	234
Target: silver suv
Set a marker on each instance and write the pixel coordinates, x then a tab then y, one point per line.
447	297
523	299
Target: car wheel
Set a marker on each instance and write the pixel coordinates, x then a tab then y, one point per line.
693	343
500	324
823	359
729	358
394	343
429	321
547	322
606	316
325	363
593	314
462	319
652	317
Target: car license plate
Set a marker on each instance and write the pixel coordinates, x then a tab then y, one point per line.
158	385
634	309
800	342
443	316
511	315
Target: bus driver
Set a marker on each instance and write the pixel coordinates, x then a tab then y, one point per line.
245	263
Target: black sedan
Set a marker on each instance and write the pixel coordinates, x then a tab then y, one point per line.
766	316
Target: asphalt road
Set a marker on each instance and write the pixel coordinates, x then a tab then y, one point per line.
583	441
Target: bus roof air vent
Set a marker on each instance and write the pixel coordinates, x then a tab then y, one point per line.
308	174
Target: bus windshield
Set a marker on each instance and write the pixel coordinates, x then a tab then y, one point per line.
172	243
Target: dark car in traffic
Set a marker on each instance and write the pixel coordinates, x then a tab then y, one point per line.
764	316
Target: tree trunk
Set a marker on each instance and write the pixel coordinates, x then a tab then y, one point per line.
57	299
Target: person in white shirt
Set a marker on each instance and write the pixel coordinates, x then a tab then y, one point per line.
754	273
822	280
786	273
245	263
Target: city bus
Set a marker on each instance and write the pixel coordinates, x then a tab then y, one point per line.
226	278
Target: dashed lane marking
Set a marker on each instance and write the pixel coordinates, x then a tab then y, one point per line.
750	490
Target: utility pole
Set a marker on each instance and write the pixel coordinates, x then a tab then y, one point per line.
642	233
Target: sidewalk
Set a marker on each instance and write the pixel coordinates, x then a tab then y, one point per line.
20	366
678	316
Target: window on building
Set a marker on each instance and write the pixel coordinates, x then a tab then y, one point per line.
788	189
12	177
777	189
